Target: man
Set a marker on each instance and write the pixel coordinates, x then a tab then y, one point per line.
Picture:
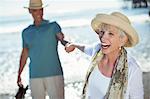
40	41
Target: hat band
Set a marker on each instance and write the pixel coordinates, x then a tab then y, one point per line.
35	5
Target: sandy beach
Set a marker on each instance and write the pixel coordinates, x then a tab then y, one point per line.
74	75
75	24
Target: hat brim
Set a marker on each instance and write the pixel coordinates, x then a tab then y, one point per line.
133	38
36	7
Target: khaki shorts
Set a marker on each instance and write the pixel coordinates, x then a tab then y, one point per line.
53	86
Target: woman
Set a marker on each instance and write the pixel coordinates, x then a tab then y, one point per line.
113	74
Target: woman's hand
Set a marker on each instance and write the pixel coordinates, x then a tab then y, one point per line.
69	47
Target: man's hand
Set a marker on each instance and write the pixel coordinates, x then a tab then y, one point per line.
19	82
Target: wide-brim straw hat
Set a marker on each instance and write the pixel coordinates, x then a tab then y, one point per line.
35	4
119	20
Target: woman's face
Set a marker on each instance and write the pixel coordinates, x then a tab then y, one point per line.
110	39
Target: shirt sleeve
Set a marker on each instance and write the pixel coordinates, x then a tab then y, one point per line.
24	44
136	84
57	28
90	50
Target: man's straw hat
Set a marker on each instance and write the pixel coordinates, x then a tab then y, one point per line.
35	4
119	20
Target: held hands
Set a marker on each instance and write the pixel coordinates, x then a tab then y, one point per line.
69	47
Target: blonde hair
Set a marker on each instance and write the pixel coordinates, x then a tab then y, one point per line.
121	32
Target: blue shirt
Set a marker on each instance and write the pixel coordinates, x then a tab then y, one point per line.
42	44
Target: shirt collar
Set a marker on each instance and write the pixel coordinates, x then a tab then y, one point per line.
43	22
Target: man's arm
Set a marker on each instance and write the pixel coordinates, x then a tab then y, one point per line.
60	37
23	59
69	47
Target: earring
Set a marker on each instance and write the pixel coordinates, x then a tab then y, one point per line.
120	48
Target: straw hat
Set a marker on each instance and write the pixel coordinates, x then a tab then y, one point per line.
35	4
119	20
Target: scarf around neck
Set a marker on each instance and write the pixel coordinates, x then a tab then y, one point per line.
118	84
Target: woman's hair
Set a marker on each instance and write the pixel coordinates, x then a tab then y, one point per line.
121	32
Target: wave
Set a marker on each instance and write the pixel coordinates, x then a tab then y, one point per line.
68	13
15	28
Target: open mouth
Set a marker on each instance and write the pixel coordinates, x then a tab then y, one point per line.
105	46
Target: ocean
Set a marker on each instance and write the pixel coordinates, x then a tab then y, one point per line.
74	17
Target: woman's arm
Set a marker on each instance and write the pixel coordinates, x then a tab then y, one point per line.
136	83
90	50
71	46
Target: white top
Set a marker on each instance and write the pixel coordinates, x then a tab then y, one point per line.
135	84
98	84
